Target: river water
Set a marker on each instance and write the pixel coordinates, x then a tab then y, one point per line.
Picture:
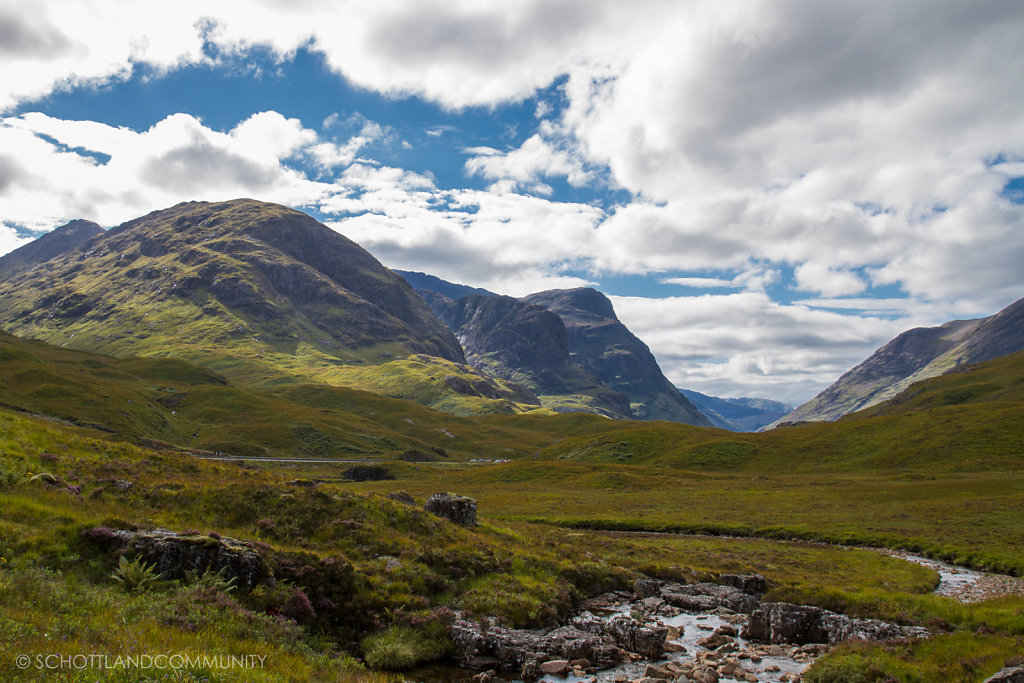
954	582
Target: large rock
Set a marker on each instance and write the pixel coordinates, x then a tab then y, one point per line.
495	647
174	554
456	508
702	597
635	636
781	622
1011	674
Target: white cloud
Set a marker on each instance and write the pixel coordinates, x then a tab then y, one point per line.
817	277
744	343
702	282
860	144
539	156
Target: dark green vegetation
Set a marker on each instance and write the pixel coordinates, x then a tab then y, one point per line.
916	355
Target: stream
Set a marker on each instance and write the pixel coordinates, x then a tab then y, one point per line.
759	662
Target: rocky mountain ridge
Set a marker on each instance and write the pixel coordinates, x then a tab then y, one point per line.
916	355
48	246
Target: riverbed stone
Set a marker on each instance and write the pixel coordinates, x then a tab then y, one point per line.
1011	674
703	597
555	667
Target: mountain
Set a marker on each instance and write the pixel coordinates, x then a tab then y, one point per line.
52	244
431	283
528	344
600	343
258	292
913	356
737	414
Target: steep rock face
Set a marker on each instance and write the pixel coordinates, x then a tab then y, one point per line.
913	356
528	344
260	291
737	414
52	244
601	344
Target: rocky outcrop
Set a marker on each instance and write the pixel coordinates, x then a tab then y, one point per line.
1011	674
601	344
782	622
174	554
522	650
522	342
455	508
701	597
635	636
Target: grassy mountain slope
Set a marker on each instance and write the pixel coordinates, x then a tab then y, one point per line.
913	356
259	292
52	244
604	346
176	402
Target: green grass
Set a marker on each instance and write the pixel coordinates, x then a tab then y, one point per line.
938	472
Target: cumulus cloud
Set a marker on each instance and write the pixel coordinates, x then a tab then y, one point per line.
729	344
85	169
542	155
859	144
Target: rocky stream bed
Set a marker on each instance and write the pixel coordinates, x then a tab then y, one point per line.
669	632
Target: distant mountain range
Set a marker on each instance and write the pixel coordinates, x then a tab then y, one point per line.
738	414
261	293
267	296
913	356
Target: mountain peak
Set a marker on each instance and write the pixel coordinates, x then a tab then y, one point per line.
49	246
242	286
580	299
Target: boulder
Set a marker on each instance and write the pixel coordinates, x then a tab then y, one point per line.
401	497
751	584
702	597
555	667
1011	674
633	635
455	508
173	554
646	588
840	627
782	622
513	649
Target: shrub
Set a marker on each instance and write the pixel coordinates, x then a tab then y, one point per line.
135	574
401	647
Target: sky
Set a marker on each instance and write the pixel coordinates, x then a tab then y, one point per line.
766	190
